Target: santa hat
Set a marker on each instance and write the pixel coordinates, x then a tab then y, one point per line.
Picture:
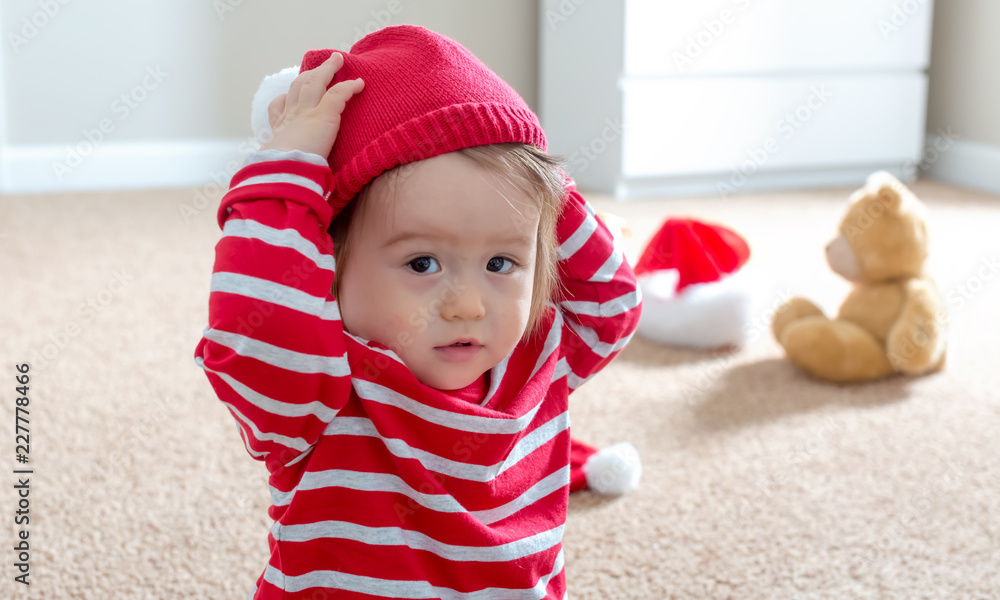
692	294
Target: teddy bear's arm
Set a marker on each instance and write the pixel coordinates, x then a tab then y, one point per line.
916	341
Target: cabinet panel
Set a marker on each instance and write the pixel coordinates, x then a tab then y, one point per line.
685	126
680	37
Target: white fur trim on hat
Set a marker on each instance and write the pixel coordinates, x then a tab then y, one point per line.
613	470
270	88
702	315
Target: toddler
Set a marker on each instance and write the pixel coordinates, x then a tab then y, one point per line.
406	291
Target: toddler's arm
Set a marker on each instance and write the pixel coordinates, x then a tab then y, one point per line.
602	301
274	349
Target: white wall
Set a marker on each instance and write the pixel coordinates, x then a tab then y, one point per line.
65	64
188	70
963	119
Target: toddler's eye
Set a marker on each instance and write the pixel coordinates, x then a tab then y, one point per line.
496	264
424	264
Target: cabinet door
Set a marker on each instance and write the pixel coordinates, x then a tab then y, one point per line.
686	126
680	37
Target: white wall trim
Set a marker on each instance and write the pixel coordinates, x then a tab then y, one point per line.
971	164
4	167
120	165
718	184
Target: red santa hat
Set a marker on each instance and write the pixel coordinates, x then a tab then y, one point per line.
691	295
700	252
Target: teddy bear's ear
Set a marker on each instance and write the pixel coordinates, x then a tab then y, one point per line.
889	197
888	189
270	88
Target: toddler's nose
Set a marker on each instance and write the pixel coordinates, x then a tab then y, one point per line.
465	304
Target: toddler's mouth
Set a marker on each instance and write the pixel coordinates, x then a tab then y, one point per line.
460	350
460	342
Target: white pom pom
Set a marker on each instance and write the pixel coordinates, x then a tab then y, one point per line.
272	87
613	470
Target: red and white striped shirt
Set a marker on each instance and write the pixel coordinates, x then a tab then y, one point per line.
383	487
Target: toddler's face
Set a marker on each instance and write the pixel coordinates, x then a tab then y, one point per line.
449	258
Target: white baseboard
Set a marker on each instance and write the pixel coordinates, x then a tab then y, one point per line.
721	185
111	165
971	164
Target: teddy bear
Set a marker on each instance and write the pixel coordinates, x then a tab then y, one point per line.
893	320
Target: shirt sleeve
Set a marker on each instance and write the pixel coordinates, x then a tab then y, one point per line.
274	349
601	301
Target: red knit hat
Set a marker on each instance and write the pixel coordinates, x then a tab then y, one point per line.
424	95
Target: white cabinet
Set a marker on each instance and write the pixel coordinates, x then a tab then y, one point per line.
671	96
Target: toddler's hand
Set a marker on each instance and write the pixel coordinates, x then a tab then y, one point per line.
307	118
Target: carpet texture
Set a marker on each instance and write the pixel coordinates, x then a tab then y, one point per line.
757	481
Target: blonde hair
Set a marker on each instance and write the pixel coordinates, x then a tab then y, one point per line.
536	174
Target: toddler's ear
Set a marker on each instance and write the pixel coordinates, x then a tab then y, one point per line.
272	87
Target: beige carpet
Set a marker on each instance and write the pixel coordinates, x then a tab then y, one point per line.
758	483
